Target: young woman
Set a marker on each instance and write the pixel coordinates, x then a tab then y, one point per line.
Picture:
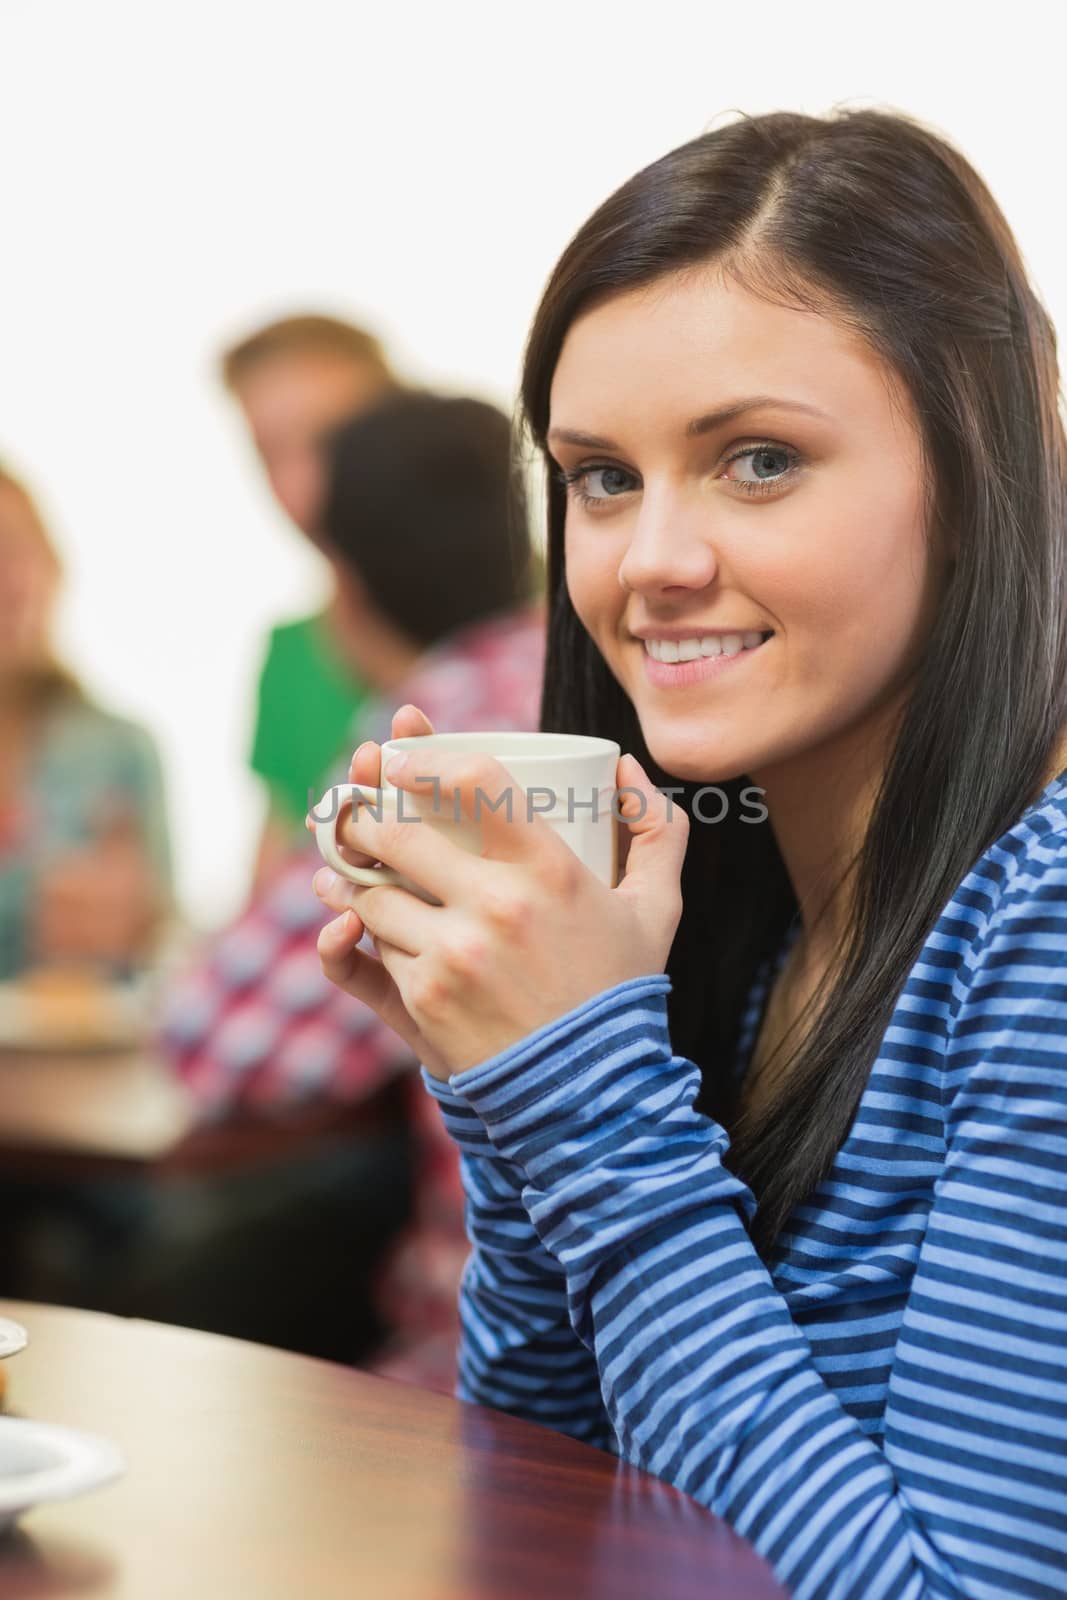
84	854
764	1148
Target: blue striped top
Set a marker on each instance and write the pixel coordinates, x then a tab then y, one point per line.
882	1408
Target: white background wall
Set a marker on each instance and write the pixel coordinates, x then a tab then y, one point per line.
170	174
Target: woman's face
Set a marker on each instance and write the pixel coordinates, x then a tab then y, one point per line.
752	559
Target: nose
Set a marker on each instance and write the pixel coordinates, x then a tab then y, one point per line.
671	547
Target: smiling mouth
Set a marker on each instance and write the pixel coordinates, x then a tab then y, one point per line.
704	646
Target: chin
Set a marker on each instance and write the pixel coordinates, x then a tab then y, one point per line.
690	763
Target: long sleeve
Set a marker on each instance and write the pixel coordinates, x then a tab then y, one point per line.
252	1022
708	1381
518	1351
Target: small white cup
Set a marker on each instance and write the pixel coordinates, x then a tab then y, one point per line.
567	779
13	1337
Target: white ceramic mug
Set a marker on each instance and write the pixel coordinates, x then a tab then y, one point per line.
567	779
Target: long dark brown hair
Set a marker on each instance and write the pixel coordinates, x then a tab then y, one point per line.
875	220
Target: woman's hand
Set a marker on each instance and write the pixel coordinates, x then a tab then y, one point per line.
355	971
524	932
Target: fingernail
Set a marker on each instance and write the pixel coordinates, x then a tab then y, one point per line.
324	881
359	752
397	764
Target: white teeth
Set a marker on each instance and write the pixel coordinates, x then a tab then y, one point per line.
710	644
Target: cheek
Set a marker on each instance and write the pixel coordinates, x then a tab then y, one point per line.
862	598
592	569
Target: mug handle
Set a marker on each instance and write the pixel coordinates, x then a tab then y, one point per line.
334	803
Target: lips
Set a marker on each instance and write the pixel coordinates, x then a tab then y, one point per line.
726	642
699	668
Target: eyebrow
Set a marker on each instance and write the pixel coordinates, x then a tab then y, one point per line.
699	425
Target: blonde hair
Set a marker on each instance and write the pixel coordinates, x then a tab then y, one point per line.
48	681
310	334
15	486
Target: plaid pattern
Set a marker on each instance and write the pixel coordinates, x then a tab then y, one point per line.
253	1024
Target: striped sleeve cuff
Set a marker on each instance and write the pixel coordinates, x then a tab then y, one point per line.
462	1123
576	1037
598	1114
523	1089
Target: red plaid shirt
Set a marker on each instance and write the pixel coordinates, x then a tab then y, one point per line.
254	1024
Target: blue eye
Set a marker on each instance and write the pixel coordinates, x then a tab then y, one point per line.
761	469
609	482
767	466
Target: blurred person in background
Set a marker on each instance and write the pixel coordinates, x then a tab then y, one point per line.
294	380
84	891
425	521
84	857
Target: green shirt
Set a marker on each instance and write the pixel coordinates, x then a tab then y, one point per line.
308	697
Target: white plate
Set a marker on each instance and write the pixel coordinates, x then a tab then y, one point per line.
40	1461
12	1338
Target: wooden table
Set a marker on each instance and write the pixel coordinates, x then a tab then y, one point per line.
80	1115
258	1475
120	1107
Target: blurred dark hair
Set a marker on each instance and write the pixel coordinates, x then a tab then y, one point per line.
426	504
872	219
